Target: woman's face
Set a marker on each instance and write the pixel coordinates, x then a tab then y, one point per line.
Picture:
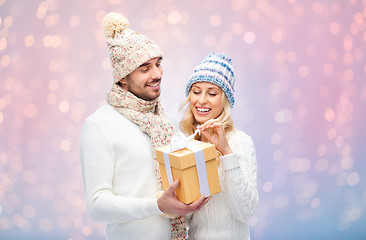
205	101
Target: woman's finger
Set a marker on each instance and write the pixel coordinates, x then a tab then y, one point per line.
207	135
208	124
216	127
205	124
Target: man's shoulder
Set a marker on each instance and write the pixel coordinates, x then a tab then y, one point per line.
106	114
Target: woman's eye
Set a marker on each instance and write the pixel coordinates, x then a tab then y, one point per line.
212	94
196	92
144	69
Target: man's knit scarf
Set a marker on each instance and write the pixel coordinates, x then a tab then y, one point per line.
150	117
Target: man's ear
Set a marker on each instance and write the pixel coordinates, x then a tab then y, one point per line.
123	82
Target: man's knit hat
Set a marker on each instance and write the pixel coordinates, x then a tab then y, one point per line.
216	68
127	49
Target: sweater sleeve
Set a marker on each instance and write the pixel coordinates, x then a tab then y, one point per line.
240	169
97	159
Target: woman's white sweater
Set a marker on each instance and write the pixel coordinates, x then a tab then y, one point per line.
225	215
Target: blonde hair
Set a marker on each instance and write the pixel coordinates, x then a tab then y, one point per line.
189	124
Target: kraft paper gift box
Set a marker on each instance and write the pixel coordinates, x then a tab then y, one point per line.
194	166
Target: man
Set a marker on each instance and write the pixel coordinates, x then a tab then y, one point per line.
121	175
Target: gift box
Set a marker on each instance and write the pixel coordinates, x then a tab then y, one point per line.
196	168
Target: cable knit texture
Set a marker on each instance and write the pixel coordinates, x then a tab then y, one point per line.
225	216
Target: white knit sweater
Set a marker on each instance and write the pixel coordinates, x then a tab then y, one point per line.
226	213
119	179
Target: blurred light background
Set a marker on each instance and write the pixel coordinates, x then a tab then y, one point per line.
300	93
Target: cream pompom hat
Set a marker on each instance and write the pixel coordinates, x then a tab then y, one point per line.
127	49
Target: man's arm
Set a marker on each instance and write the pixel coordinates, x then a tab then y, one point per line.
98	166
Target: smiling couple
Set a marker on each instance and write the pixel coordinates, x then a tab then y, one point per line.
121	175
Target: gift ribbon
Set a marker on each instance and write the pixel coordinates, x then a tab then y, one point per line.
201	169
179	141
167	167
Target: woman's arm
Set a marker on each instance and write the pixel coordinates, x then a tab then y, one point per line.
240	170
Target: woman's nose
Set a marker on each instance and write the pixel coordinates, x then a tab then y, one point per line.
202	99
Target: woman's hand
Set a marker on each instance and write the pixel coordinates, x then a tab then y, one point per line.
217	137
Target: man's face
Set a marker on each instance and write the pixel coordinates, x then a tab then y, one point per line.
144	82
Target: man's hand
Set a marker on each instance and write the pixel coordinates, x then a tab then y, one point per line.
169	203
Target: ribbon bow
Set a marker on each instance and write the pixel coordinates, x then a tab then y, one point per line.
180	141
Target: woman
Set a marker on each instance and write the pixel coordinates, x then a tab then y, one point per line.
210	97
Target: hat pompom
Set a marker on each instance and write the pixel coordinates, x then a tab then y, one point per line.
114	23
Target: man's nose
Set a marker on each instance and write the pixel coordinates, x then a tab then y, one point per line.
157	72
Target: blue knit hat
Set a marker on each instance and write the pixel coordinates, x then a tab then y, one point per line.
216	68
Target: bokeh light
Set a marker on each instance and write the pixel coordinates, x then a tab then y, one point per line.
300	93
